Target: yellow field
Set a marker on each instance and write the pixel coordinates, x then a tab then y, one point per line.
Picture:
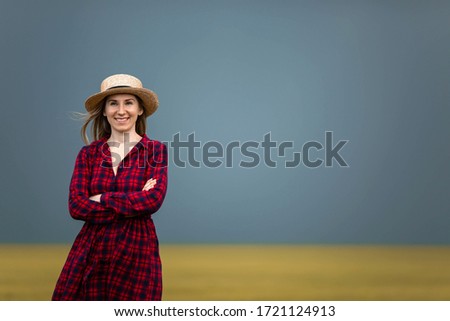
259	272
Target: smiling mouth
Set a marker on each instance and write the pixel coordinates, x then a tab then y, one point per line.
121	119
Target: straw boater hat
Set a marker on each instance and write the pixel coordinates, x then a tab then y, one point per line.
124	84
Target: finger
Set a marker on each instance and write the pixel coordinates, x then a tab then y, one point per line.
150	183
148	186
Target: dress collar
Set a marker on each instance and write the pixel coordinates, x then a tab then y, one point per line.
102	143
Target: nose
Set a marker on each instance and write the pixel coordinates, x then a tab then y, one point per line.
121	109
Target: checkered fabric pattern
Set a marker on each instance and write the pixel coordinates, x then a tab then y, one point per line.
115	256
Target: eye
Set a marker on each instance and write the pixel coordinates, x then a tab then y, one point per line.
112	103
129	102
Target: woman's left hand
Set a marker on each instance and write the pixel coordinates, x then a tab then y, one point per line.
149	184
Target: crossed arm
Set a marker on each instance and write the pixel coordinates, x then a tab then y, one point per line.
148	186
107	207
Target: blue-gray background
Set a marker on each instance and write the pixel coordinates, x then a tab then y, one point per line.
375	73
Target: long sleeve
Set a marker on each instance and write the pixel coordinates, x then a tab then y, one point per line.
80	206
142	202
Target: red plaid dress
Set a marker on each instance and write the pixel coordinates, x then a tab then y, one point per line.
115	256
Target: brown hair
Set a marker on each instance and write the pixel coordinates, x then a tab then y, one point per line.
101	128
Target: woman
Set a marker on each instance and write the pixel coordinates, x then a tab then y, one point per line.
118	182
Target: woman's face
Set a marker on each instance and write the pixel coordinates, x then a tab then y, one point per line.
122	111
